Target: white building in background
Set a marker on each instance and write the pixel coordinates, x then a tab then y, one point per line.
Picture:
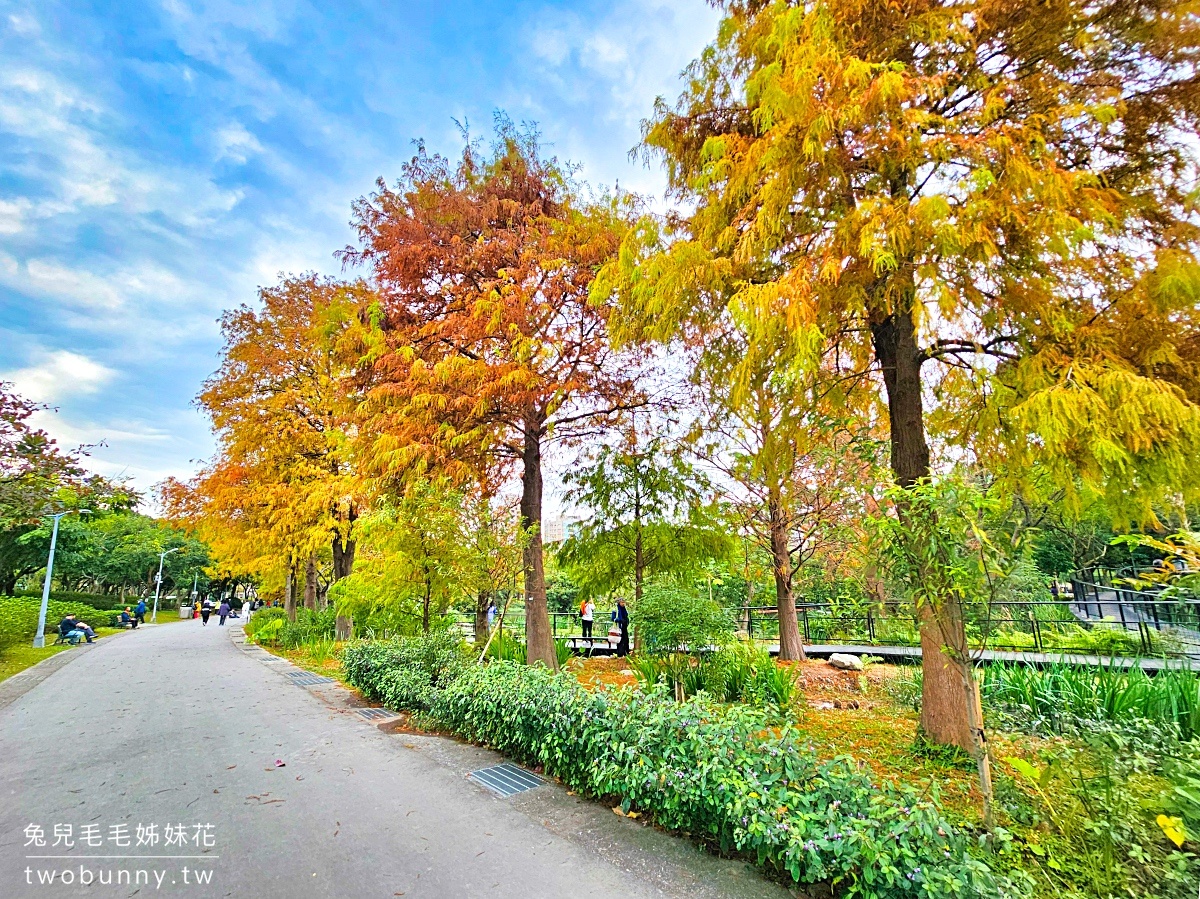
558	528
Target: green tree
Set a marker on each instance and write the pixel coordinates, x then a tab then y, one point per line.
494	545
119	553
672	614
988	206
649	516
37	478
414	558
802	477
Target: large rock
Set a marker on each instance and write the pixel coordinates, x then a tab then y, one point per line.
846	662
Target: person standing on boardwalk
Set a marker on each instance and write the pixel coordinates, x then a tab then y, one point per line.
621	617
223	611
587	614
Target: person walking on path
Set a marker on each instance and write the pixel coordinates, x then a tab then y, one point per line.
621	617
206	610
587	614
223	611
139	611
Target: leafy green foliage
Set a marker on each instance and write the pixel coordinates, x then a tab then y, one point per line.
723	774
505	645
649	518
406	674
413	560
19	617
1063	694
266	625
310	626
1096	801
741	672
671	615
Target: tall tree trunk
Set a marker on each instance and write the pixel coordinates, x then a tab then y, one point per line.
791	646
483	601
639	565
945	713
310	584
289	592
539	642
8	584
343	566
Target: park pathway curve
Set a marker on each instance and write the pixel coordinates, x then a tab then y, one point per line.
178	728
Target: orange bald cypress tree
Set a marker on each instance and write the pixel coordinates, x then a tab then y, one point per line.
282	406
489	345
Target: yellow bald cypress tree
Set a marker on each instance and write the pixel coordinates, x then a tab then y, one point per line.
980	214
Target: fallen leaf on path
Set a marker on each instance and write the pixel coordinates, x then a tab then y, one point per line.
280	763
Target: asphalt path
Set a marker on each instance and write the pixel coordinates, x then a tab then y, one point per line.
152	760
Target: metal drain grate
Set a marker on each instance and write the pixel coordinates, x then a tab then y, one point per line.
506	779
375	714
304	679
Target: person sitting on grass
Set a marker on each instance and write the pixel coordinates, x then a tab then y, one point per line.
127	619
71	628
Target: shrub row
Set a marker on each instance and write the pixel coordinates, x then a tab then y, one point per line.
406	674
19	617
721	773
103	602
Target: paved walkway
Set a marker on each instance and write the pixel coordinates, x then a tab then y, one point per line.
179	725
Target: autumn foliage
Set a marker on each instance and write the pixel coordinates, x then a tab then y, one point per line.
955	235
490	345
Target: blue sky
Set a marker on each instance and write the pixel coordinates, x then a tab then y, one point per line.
159	161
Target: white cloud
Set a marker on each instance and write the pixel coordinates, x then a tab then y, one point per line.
24	24
599	78
236	143
79	288
58	374
62	142
12	213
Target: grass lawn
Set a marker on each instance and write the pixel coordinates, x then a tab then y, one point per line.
17	658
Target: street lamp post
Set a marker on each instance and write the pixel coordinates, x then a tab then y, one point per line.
158	581
39	639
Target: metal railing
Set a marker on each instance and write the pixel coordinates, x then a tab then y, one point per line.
1140	623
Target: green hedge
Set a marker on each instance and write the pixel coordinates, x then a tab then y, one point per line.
19	617
406	674
95	600
722	773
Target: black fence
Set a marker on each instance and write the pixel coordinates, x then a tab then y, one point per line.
1098	612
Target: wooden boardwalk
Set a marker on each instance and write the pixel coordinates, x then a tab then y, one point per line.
912	654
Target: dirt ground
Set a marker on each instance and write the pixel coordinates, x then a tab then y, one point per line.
819	680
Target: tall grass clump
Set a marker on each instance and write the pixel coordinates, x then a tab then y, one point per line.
1063	693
